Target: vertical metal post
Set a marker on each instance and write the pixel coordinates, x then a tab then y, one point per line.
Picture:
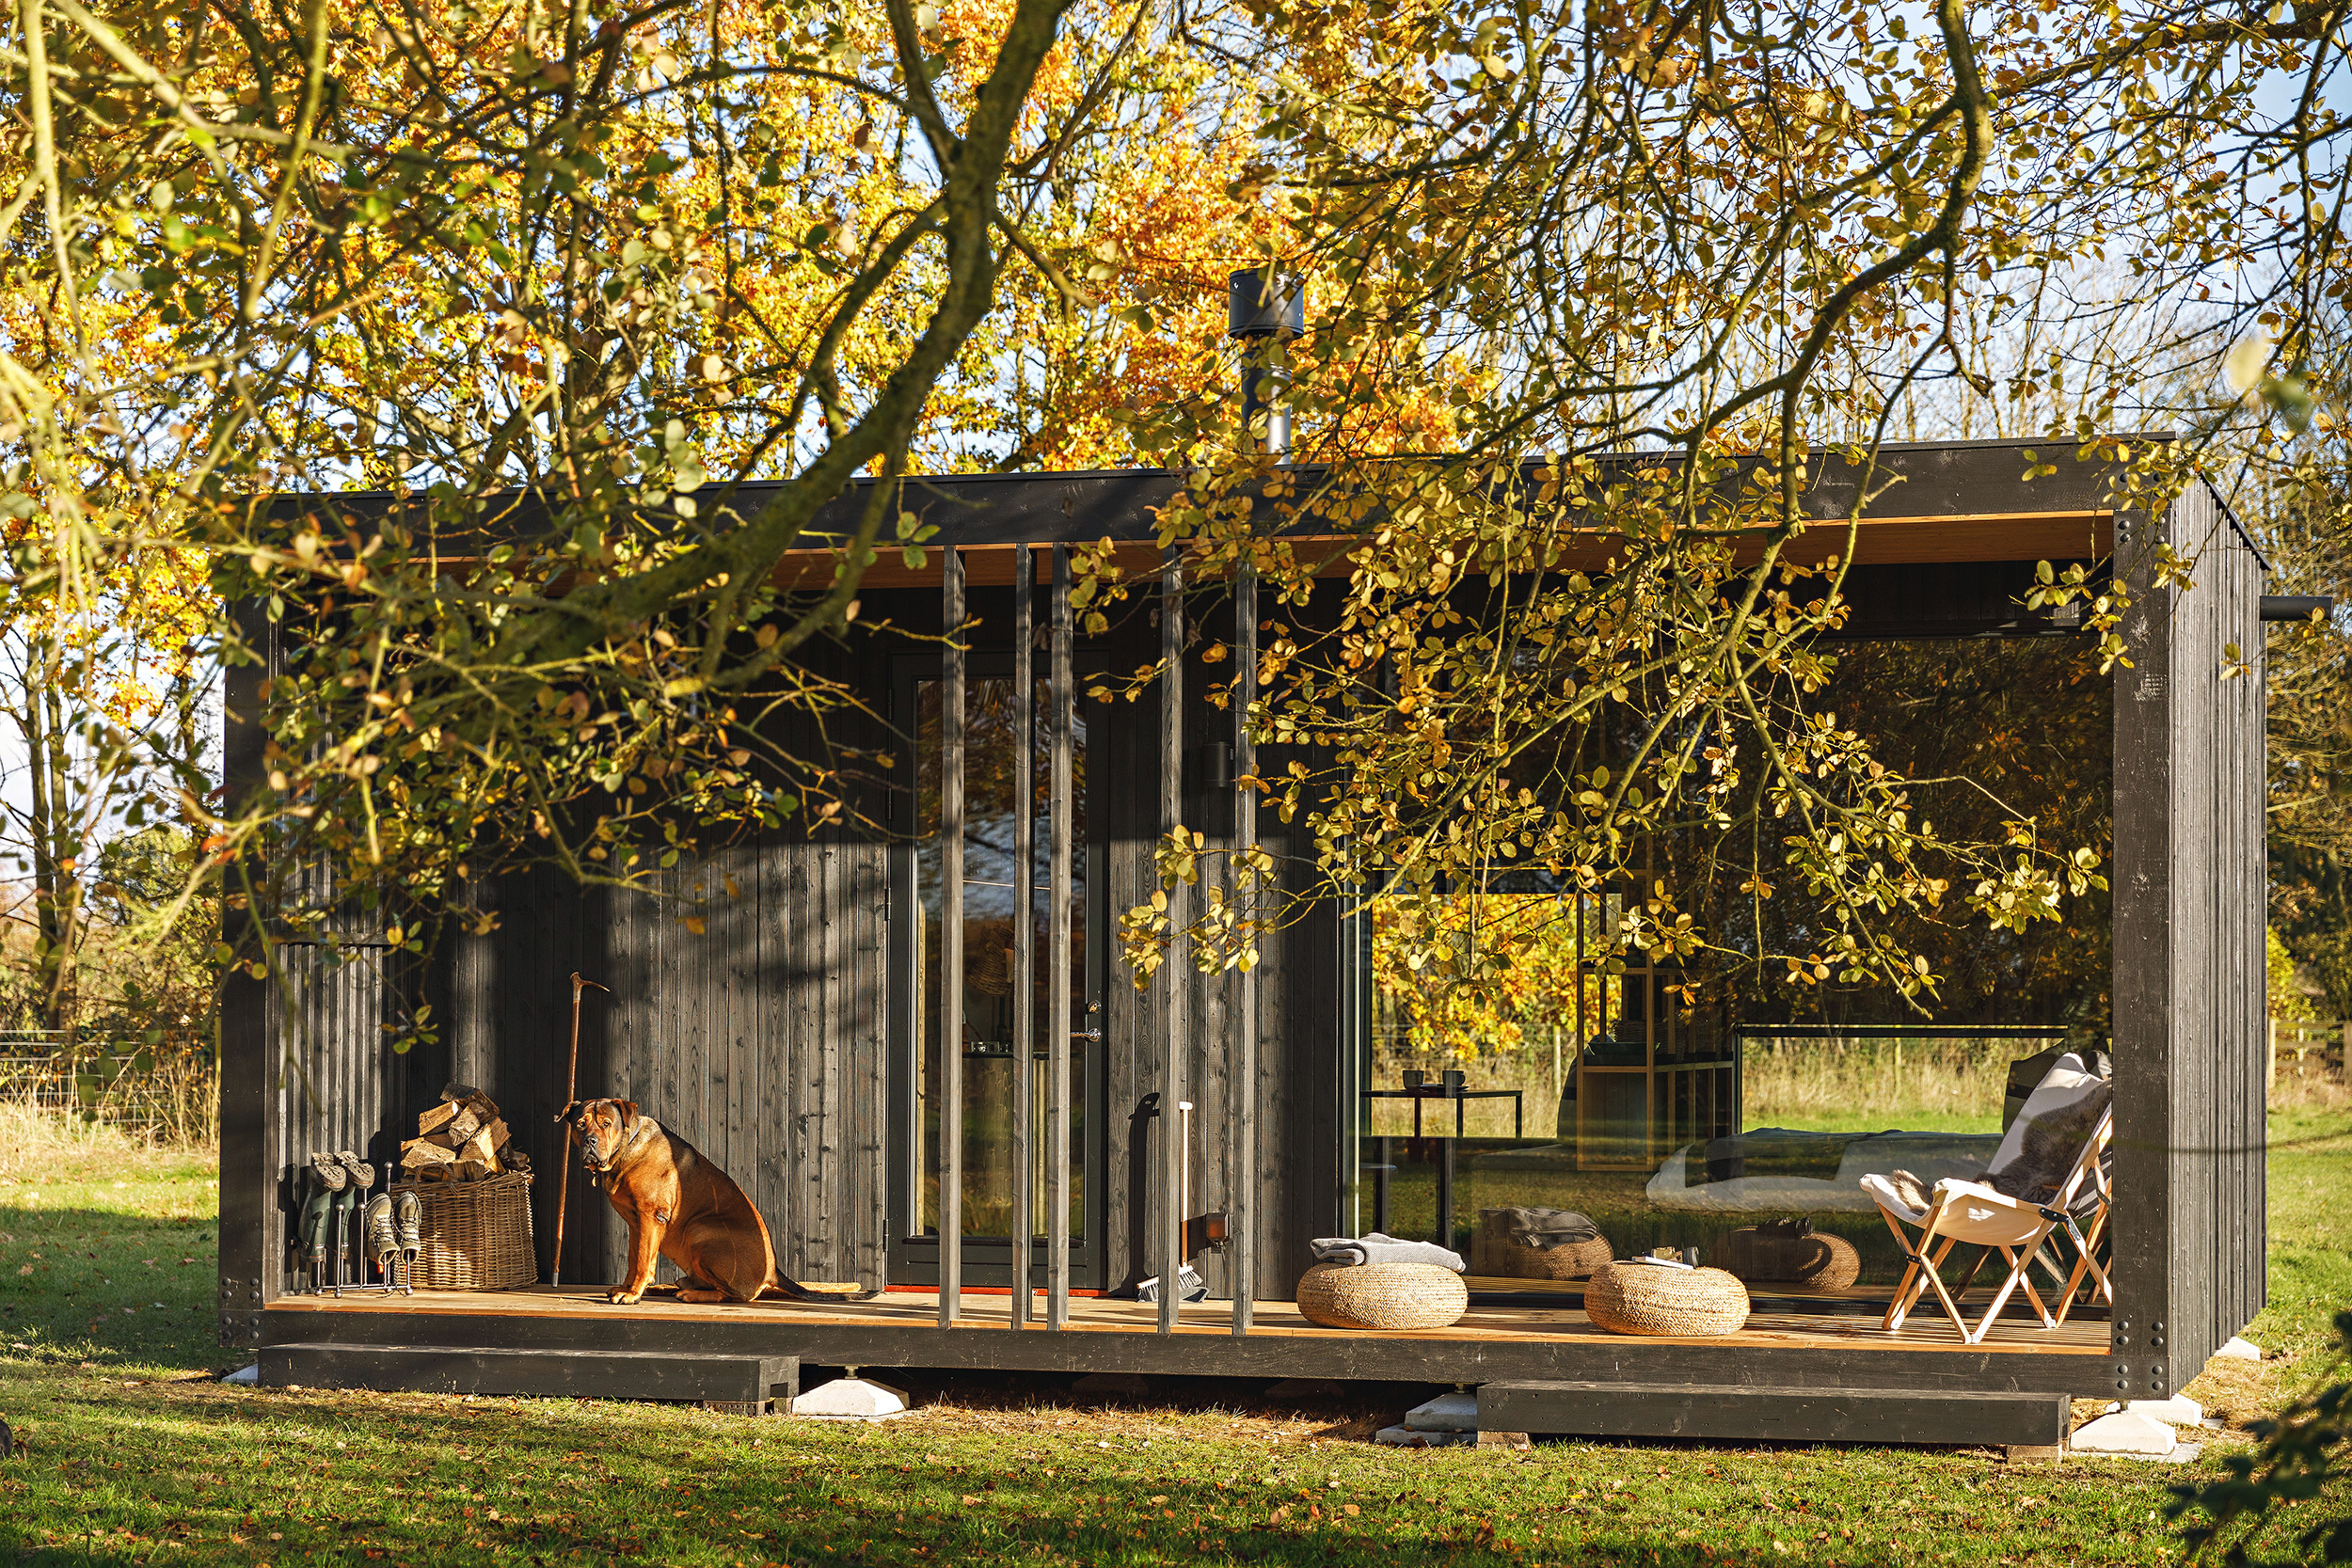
1024	930
1172	977
951	942
1060	1035
1242	1227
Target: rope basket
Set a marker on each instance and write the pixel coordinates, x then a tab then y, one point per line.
477	1234
1494	1253
1382	1295
1820	1261
1637	1298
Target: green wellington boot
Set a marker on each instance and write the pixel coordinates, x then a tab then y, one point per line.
350	1265
328	1179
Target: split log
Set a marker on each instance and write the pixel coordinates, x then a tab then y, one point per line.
425	1153
479	1150
496	1132
473	1170
463	1125
434	1119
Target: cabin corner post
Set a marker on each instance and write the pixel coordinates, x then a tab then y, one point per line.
1172	978
2146	972
951	940
1023	929
252	1248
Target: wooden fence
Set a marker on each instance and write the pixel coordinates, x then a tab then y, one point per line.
142	1088
2306	1050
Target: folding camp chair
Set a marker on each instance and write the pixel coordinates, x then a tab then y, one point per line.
1971	1213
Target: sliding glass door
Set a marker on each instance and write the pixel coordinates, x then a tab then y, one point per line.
999	785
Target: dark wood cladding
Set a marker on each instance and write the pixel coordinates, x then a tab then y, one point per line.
760	1039
2189	986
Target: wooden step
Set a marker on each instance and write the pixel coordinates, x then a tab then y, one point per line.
744	1384
1767	1414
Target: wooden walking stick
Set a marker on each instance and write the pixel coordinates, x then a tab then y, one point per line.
571	1097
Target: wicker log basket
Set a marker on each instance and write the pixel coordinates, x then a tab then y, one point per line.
1493	1253
1382	1295
1819	1261
477	1234
1641	1298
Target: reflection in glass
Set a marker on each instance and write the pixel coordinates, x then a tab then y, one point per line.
994	791
1686	1102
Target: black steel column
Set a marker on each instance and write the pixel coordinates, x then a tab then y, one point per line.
1023	932
951	942
1172	1042
1243	1079
1060	1037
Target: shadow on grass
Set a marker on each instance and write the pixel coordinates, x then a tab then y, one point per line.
114	1289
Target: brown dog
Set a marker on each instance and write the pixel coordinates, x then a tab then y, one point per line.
682	1207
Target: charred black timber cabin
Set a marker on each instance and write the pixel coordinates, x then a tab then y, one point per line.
796	1042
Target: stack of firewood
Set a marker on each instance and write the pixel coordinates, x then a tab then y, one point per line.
461	1139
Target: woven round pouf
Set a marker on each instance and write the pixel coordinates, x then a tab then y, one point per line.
1642	1298
1494	1253
1382	1295
1573	1262
1820	1261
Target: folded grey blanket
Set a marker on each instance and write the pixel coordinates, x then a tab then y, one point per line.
1353	1252
1545	1228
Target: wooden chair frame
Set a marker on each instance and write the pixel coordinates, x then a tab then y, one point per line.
2020	1243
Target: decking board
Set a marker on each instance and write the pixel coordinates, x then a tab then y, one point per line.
1272	1320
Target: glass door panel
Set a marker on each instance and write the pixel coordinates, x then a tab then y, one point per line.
997	787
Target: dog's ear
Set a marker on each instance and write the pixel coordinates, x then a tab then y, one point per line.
570	1113
628	1114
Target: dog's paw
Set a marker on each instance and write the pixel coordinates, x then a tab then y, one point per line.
623	1298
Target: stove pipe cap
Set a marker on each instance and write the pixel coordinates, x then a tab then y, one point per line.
1258	307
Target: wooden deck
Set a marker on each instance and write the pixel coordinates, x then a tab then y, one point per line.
1779	1346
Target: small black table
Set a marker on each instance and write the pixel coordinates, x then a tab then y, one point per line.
1381	1167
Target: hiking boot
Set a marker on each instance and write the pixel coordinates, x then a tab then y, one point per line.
408	1215
383	1242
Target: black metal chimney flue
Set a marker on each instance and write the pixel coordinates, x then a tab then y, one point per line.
1260	312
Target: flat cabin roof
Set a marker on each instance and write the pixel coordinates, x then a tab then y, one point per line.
1928	503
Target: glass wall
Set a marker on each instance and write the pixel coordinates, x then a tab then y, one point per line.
997	784
1519	1058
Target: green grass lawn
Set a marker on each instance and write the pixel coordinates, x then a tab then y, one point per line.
134	1455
